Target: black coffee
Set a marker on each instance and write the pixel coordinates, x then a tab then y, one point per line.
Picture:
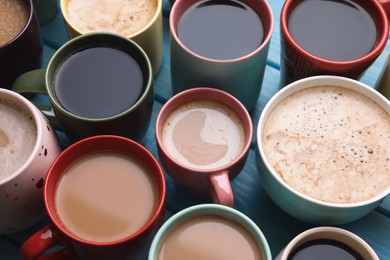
336	30
98	82
220	29
324	249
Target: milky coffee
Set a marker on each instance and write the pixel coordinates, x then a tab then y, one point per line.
18	134
14	15
203	134
209	238
330	143
125	17
105	196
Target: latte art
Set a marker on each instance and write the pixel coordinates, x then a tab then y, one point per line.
203	135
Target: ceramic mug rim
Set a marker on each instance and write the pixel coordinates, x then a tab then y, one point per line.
20	101
323	232
380	43
209	209
49	86
305	83
246	120
63	5
268	33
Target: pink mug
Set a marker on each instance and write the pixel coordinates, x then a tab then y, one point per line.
202	164
89	245
307	51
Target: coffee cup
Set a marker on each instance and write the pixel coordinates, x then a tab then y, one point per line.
105	197
46	10
220	44
98	83
322	149
28	146
327	243
203	139
140	21
331	37
209	231
20	40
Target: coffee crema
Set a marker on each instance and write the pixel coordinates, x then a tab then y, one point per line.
105	196
330	143
18	135
209	237
125	17
14	15
203	134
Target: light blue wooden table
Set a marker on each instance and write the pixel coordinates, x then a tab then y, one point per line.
250	198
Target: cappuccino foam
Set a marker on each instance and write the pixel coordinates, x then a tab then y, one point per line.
18	135
330	143
125	17
203	134
14	15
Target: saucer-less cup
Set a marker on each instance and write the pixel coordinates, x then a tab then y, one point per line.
315	209
210	210
347	238
199	182
242	77
298	62
134	246
21	203
23	53
150	38
132	122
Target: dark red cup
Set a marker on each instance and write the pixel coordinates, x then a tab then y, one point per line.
297	63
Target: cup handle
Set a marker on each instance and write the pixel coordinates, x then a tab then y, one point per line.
34	247
220	189
33	82
386	6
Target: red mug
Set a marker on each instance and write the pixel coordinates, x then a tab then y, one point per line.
302	57
132	246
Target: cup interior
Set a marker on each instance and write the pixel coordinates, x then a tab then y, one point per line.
261	8
308	83
95	144
22	103
92	40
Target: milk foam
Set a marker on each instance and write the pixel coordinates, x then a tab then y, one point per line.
19	130
125	17
221	132
330	143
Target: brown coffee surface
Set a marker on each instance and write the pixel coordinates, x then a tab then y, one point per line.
13	18
203	134
105	196
209	238
330	143
18	135
125	17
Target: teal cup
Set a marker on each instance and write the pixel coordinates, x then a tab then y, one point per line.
208	245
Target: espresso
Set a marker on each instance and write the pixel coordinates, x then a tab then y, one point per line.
98	82
125	17
330	143
105	196
18	134
209	238
220	29
324	249
203	134
14	15
334	30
